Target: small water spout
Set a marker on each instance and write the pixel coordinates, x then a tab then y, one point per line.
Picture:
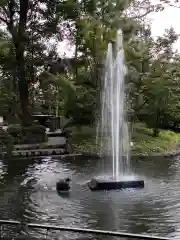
113	127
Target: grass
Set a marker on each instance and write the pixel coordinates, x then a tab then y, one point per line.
84	140
144	142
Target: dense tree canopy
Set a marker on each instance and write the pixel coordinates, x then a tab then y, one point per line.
35	78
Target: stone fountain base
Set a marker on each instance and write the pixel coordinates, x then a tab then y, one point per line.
98	184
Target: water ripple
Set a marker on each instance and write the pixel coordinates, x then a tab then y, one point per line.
32	197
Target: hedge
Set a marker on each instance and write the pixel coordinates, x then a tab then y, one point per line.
32	134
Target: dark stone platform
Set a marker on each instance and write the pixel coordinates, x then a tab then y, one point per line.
98	184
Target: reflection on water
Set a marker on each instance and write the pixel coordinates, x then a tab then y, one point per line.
28	193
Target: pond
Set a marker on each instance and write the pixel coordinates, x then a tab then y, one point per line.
28	194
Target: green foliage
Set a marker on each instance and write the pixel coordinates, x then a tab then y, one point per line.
144	142
6	142
34	134
15	131
154	80
84	139
29	25
27	135
34	78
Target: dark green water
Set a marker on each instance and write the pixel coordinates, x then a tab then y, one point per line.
27	193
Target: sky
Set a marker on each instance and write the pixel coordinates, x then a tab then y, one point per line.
165	19
160	21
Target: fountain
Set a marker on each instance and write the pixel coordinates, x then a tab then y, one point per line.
113	128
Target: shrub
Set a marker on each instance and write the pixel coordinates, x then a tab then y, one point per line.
34	133
14	130
6	142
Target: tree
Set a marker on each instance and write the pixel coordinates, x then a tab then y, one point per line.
62	87
154	86
27	21
171	3
8	98
34	73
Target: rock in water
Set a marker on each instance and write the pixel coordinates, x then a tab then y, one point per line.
63	185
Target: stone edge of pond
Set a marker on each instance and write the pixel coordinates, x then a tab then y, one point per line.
36	153
162	155
62	154
136	155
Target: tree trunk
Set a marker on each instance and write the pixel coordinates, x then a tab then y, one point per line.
23	86
57	102
156	132
19	42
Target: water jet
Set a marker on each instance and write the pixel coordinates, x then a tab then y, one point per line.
113	132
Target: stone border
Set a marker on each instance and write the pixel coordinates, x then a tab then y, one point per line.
80	156
62	154
163	155
54	153
28	147
136	155
36	153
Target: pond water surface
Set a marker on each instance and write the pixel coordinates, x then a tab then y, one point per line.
27	193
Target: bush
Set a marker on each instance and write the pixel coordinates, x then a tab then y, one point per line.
27	135
14	130
6	142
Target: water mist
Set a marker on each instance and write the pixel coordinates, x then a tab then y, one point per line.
113	127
